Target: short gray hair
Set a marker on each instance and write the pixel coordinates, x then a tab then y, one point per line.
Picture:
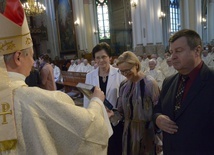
8	57
153	60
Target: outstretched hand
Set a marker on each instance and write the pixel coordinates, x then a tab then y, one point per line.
110	113
166	124
98	93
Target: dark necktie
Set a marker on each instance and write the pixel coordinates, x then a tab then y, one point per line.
180	91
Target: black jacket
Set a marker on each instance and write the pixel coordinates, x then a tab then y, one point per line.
195	120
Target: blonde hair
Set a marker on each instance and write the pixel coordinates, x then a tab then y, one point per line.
130	58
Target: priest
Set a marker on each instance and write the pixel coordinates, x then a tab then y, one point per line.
37	121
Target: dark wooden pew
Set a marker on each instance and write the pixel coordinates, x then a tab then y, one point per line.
71	79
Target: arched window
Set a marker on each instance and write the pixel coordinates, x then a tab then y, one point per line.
103	19
174	16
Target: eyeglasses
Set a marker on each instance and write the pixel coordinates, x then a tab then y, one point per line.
125	72
102	57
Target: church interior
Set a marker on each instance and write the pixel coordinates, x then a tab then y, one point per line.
71	28
67	30
107	77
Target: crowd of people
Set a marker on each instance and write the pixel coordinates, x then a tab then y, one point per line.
160	106
81	65
45	73
157	67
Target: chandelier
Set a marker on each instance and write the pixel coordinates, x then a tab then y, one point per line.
33	8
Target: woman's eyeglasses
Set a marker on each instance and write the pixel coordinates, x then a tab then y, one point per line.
125	72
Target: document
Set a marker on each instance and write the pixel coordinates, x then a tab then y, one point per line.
88	90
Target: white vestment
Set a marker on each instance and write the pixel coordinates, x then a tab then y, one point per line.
169	70
84	68
144	64
209	61
48	123
157	75
57	73
72	68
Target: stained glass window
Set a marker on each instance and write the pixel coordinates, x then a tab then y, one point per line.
174	16
103	19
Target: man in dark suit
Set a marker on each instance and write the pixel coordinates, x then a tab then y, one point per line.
187	118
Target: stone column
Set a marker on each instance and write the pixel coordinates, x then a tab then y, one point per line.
184	11
191	15
80	28
198	14
89	25
150	22
48	19
144	13
147	27
165	21
94	27
136	24
158	34
210	20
